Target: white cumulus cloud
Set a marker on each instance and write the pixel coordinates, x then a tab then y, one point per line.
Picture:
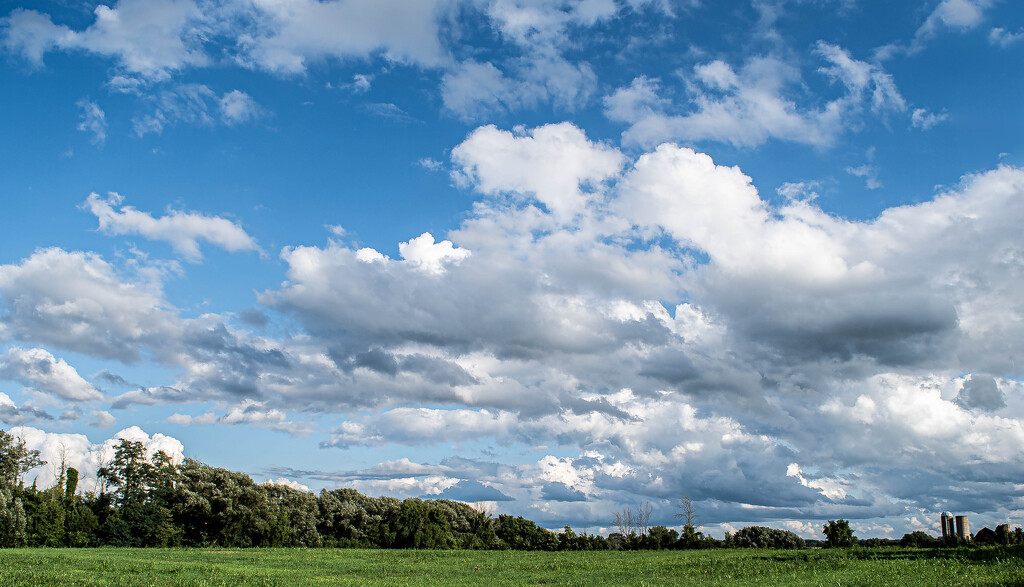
183	230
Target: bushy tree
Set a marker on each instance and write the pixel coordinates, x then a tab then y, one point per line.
570	540
518	533
659	538
422	525
918	539
764	537
838	534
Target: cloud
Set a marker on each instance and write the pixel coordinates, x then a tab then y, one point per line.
391	112
147	38
78	452
429	256
981	392
1001	37
296	32
248	412
471	90
925	120
744	108
76	301
559	158
93	121
430	164
13	415
642	326
759	102
540	32
102	419
471	491
559	492
237	107
195	104
39	369
571	346
287	483
953	14
869	173
182	230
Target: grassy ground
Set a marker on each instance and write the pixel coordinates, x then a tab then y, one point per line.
882	566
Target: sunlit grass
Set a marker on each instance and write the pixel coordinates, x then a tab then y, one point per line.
882	566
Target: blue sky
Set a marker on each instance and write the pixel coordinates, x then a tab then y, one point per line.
559	256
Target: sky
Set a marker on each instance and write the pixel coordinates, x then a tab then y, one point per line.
556	257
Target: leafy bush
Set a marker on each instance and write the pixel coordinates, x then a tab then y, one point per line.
763	537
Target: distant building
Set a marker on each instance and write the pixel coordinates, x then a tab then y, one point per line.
955	527
985	536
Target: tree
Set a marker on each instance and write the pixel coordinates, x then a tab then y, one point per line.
12	519
838	534
129	472
918	539
633	523
687	513
764	537
15	459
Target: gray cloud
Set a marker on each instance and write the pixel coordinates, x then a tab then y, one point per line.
981	392
471	491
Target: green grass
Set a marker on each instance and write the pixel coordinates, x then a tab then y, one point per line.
881	566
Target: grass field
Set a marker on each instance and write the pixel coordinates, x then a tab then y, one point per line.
882	566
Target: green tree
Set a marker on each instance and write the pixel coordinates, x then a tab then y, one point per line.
918	539
70	485
15	459
12	519
130	473
764	537
838	534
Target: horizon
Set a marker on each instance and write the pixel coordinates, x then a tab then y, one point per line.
562	258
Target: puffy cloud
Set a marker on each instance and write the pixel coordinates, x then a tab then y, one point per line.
75	450
429	256
534	22
759	102
955	14
76	301
148	38
287	483
237	107
745	108
780	300
649	326
14	415
40	369
551	163
981	392
472	491
182	230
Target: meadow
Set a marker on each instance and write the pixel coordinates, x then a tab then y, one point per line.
292	566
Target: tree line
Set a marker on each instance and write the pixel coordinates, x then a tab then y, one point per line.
152	502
